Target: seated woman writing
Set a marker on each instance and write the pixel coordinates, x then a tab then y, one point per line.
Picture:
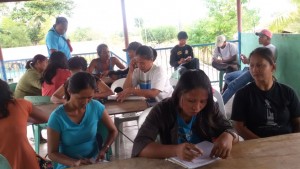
72	127
147	80
78	64
265	107
188	117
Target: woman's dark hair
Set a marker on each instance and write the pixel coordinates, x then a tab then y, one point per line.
79	81
194	79
182	35
57	60
77	62
34	60
6	96
264	53
100	48
145	52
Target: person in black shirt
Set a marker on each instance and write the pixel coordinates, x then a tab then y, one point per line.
265	107
182	54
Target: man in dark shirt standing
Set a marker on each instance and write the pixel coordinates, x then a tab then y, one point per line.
182	54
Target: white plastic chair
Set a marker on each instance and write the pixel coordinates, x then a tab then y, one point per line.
117	83
220	101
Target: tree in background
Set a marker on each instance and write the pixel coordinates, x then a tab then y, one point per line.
159	34
12	34
36	14
222	19
287	22
82	34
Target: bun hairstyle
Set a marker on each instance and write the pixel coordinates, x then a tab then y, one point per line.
146	52
34	60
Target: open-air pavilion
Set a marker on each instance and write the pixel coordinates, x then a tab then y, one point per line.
287	72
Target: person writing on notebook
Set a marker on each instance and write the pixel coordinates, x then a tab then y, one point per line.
152	80
190	116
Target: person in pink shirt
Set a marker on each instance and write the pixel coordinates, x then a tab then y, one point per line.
55	74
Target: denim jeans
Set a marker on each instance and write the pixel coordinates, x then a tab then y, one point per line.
229	77
236	84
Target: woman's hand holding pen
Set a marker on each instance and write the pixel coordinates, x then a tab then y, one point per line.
188	151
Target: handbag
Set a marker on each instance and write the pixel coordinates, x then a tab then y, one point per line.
44	163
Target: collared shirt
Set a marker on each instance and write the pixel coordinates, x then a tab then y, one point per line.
57	42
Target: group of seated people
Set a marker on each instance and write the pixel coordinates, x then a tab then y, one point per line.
181	117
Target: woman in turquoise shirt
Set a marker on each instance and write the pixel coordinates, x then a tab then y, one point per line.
72	127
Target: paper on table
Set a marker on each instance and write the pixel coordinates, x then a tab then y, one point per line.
114	97
93	161
200	161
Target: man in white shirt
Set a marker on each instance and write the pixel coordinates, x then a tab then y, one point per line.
147	80
225	55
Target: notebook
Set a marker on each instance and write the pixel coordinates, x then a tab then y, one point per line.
114	97
200	161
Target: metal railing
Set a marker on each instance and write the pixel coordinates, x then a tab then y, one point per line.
14	69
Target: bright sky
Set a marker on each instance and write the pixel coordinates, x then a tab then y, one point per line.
106	16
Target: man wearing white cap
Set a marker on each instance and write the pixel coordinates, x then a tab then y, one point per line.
225	55
238	79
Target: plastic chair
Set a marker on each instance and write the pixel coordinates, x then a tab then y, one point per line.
4	163
220	101
117	83
37	128
12	86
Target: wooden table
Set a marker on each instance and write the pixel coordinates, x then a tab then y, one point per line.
279	152
128	106
112	107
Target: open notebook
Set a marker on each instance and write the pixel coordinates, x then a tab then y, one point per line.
200	161
114	97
